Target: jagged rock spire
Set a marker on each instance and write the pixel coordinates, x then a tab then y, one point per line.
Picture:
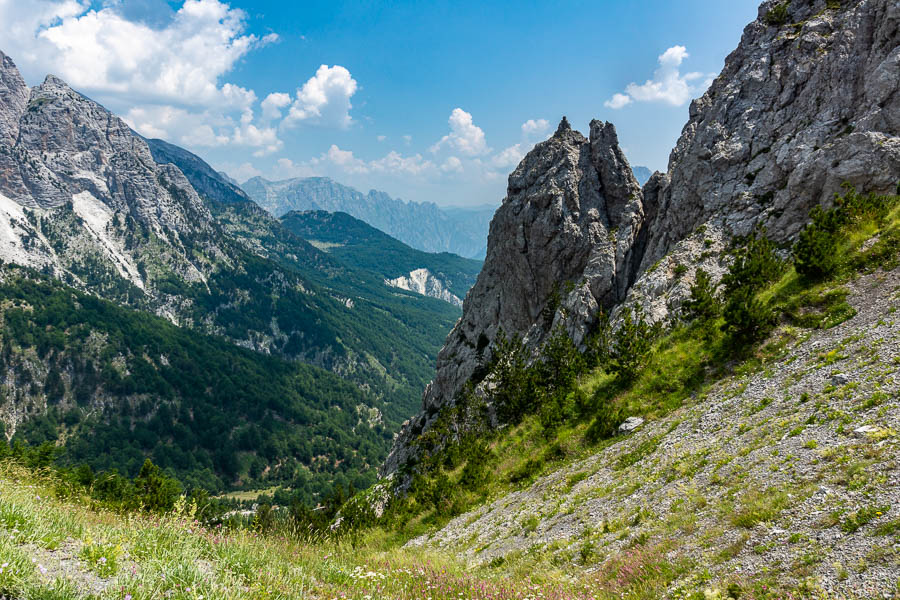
569	221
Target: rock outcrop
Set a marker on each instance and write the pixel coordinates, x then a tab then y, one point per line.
804	104
809	101
423	282
559	251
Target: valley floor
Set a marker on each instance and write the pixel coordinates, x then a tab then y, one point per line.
774	484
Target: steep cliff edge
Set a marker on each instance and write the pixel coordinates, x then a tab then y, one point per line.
807	102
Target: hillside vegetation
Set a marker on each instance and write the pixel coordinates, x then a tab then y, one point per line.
118	385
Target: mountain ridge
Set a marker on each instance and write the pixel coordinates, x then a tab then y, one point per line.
424	226
92	205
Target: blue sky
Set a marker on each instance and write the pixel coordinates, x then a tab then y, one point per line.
428	101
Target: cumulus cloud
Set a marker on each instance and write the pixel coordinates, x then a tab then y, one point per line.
396	164
285	168
241	172
452	165
509	157
464	137
618	101
668	86
273	105
324	99
101	51
167	77
338	161
206	129
533	127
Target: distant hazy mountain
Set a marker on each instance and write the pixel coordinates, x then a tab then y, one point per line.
359	245
425	226
642	174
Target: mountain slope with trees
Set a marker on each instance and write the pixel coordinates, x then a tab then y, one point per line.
361	246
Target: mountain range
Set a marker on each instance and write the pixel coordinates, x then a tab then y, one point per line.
424	226
681	388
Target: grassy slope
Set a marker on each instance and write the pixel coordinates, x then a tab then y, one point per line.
683	371
66	550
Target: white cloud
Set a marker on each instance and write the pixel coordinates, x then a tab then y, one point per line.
381	138
272	105
396	164
407	139
510	157
668	85
393	163
241	172
464	136
535	127
205	129
100	51
324	99
174	69
286	169
452	165
618	101
345	160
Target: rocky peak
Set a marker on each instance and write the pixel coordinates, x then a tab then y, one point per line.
88	183
559	249
617	182
808	101
74	145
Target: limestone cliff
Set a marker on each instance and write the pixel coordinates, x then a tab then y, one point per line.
83	198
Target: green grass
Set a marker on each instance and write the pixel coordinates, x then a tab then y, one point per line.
759	507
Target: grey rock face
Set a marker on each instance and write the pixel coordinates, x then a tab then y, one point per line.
798	110
559	249
77	183
13	98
